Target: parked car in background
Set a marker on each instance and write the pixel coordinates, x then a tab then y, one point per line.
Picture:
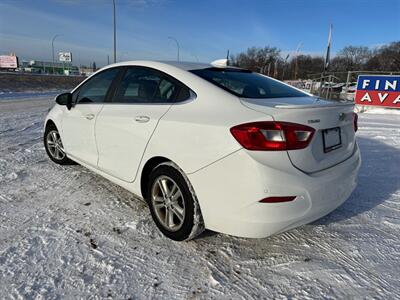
348	92
210	147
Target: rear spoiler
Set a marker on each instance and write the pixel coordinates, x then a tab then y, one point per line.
302	106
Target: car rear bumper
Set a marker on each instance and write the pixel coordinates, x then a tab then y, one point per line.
230	189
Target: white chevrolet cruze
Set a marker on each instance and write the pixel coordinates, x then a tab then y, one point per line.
210	147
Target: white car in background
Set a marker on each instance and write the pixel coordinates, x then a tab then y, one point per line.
210	147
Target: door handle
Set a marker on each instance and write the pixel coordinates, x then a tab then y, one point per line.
142	119
89	116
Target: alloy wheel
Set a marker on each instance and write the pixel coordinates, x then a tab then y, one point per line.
168	203
54	145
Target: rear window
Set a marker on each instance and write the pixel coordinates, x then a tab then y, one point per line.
247	84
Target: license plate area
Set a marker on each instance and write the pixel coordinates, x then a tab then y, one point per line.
332	139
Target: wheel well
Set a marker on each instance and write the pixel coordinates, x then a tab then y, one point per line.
148	167
50	123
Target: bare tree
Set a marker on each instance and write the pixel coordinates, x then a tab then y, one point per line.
355	58
385	58
267	60
257	59
306	65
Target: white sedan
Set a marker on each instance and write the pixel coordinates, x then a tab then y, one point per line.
210	147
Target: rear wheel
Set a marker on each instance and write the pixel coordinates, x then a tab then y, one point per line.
173	203
54	146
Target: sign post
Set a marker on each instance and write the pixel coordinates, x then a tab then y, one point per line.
65	57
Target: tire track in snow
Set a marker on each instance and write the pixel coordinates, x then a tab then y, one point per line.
354	265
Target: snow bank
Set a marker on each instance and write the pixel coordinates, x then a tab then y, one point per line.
377	110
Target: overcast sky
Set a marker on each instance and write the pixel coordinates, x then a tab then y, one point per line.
205	29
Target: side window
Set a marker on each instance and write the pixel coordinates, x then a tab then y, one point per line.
144	85
95	89
184	94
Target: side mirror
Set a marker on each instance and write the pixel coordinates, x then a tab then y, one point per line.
65	99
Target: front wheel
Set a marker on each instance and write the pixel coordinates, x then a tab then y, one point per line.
54	146
173	203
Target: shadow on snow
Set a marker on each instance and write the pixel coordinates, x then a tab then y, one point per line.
378	179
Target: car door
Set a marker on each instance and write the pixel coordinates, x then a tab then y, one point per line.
124	127
78	122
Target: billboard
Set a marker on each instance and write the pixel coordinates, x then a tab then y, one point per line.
378	90
65	56
8	62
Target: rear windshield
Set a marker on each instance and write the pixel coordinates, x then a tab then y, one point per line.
247	84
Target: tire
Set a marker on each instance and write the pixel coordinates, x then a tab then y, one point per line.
54	147
169	192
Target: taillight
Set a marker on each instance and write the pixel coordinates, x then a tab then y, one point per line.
278	199
273	136
355	121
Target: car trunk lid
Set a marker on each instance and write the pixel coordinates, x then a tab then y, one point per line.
334	138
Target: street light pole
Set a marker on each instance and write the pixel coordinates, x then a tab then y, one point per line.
177	45
115	34
52	47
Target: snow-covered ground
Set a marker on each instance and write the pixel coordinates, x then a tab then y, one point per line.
29	94
68	233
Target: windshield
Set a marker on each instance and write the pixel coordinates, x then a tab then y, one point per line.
247	84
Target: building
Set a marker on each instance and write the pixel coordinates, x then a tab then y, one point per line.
83	70
46	67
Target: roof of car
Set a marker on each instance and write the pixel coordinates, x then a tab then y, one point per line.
183	65
178	64
187	66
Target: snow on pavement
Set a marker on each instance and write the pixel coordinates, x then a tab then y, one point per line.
68	233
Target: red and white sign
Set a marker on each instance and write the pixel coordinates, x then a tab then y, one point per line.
378	90
8	62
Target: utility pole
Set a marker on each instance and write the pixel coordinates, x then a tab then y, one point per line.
276	69
177	45
296	66
52	47
284	67
115	34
